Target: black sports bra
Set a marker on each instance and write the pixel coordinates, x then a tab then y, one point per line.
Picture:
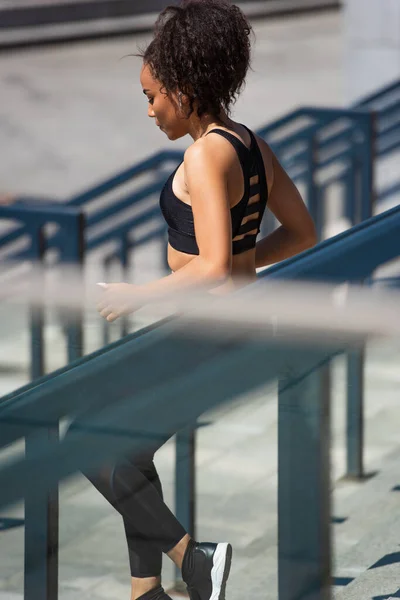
179	215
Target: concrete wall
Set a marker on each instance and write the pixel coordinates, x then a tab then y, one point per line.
372	45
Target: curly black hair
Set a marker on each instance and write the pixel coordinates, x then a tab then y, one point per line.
201	48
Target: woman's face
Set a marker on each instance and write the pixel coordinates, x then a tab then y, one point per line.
163	107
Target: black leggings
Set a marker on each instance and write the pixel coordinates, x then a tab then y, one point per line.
132	486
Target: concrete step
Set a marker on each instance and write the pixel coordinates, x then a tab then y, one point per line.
25	23
365	509
237	483
375	561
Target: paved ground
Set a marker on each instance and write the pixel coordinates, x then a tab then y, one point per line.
71	115
24	23
237	500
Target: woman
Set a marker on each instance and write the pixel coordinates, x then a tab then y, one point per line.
213	204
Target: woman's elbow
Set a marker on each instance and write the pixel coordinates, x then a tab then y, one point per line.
217	271
311	239
309	236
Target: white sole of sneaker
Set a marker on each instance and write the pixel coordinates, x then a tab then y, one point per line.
220	572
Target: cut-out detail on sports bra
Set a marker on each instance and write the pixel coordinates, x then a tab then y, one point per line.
246	215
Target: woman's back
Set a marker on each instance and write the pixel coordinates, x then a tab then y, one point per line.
248	161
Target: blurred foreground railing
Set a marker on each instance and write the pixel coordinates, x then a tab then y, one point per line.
149	398
207	371
344	259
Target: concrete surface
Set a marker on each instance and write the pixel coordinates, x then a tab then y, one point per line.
72	115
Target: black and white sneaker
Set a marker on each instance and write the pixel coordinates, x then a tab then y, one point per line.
205	570
156	594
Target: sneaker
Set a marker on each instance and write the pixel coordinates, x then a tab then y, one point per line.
156	594
205	570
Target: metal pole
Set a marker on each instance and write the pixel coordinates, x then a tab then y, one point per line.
304	546
41	509
105	325
36	313
367	183
311	184
351	192
355	413
41	531
124	255
365	189
73	253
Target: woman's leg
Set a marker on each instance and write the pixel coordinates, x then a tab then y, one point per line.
152	529
145	560
205	566
132	486
128	486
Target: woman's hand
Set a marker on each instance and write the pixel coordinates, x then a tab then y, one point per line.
118	299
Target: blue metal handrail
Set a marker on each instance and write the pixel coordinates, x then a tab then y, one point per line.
148	164
345	257
382	95
301	157
333	265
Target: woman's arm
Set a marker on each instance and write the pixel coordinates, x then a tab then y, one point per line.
297	230
206	176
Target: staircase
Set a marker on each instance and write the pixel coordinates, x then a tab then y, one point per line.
237	479
237	446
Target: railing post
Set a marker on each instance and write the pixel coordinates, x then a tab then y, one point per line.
124	256
105	324
304	548
311	184
41	531
42	509
73	254
36	313
185	486
367	183
351	204
355	413
356	357
321	194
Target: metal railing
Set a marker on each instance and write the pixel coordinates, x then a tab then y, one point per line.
320	148
335	147
210	371
38	243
